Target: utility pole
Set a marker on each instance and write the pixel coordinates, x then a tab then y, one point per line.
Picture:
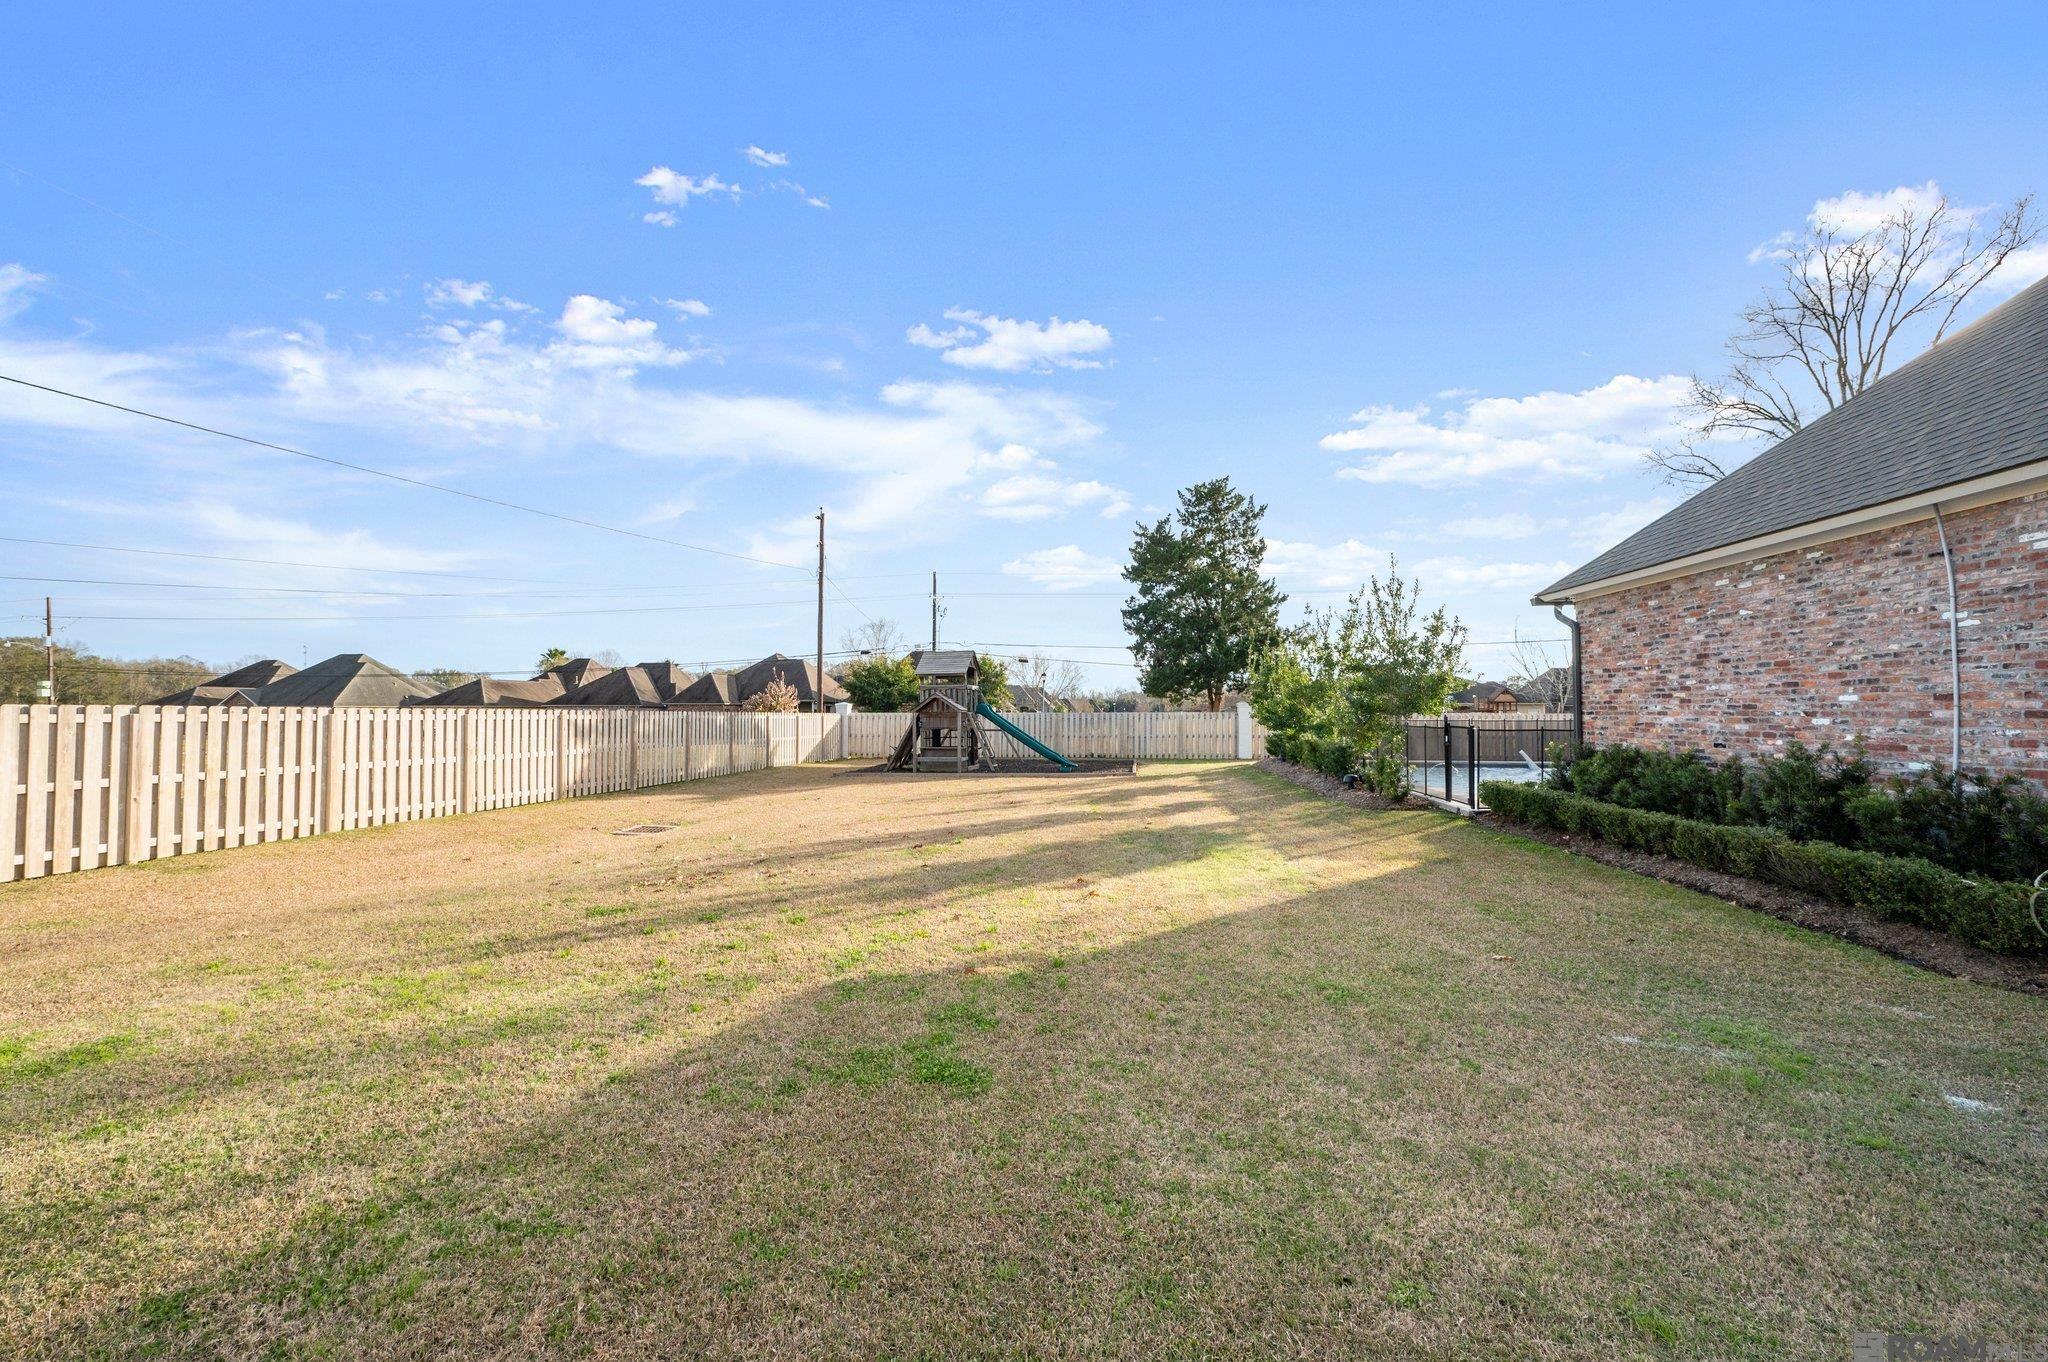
49	655
935	609
818	695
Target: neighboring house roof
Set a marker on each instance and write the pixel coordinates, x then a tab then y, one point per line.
751	681
712	688
487	690
220	688
577	671
946	662
1551	686
647	684
1033	700
1974	406
1478	693
347	679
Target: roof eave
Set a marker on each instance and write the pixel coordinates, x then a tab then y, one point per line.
2004	485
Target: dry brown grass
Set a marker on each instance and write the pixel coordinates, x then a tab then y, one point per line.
1190	1064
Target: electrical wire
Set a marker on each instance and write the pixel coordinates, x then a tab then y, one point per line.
396	477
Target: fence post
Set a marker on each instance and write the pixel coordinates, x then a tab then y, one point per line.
135	797
562	755
633	749
1244	731
330	772
844	710
466	801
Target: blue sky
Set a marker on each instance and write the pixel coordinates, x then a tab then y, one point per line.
988	285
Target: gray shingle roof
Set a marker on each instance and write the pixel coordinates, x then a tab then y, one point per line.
1975	404
946	662
344	679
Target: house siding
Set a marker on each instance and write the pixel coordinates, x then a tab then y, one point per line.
1835	643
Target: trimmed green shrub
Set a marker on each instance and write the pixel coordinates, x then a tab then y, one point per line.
1987	913
1997	829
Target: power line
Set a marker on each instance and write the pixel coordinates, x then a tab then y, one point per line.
396	477
268	562
492	615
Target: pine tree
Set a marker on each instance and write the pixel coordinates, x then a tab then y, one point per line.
1200	609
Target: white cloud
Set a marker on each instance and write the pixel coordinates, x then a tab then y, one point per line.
1583	434
1463	574
597	333
1008	345
471	294
1853	212
1511	525
1035	496
1066	568
1310	566
764	159
688	307
17	282
675	190
473	391
1603	528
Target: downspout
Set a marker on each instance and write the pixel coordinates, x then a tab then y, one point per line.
1578	681
1955	663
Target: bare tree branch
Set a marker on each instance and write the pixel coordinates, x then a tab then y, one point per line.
1844	302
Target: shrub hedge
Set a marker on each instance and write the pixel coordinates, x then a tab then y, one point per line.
1991	828
1987	913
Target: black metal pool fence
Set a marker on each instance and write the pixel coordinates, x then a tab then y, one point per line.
1454	751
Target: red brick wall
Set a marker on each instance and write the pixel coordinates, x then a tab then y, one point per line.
1842	640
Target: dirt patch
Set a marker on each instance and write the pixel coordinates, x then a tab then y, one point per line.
1328	786
1915	945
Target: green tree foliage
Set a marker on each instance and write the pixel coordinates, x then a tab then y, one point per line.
1199	609
551	659
86	679
995	681
1334	690
881	684
445	678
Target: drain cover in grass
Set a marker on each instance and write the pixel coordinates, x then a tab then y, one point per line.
645	829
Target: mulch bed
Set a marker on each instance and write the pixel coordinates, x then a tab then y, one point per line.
1915	945
1025	767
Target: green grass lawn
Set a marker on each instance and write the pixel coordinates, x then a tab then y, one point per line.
1183	1065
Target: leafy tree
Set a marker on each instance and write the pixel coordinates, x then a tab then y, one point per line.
86	679
881	684
777	697
447	678
995	682
1336	688
1200	609
551	659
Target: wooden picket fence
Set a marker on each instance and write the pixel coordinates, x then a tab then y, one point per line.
1174	735
84	786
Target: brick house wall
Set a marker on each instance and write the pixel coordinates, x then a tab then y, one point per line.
1836	642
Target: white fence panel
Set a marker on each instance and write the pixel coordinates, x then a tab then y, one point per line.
83	786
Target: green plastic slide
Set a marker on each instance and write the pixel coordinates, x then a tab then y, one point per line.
1021	736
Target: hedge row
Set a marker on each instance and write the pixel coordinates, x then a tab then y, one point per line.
1991	914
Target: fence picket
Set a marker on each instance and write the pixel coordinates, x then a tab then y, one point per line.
85	786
